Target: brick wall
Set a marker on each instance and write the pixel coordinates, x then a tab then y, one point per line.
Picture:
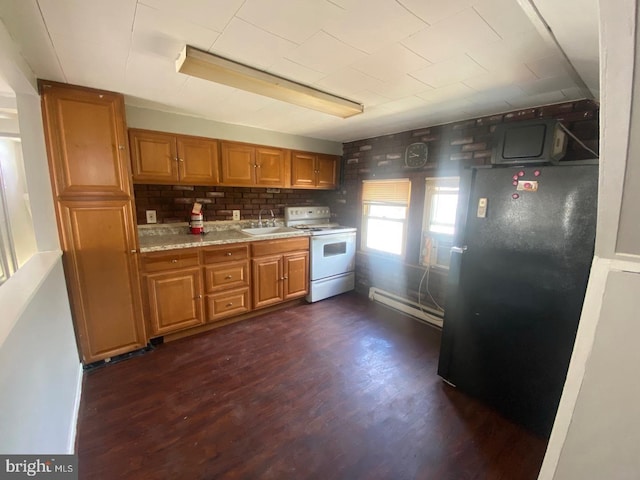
452	147
173	203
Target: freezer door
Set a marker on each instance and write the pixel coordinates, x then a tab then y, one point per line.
515	294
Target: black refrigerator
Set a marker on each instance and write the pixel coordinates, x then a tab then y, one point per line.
517	281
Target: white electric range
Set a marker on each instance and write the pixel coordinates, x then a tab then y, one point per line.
332	254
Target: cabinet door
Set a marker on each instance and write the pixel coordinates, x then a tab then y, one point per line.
327	172
238	164
175	300
198	161
266	278
153	157
86	141
303	170
98	240
270	167
296	275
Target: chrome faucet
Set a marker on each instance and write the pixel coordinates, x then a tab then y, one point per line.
273	218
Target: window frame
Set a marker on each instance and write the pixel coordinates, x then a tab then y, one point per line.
430	239
393	200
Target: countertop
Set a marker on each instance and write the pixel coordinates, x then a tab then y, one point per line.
171	241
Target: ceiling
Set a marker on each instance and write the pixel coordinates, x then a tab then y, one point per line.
412	63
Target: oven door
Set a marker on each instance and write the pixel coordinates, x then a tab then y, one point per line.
332	254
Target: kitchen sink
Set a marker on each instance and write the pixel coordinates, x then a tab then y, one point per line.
269	230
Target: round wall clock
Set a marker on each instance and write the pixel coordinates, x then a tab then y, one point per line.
416	155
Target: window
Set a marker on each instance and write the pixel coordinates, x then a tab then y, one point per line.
385	207
438	227
17	237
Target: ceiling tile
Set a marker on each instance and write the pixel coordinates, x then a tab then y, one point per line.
432	11
212	14
27	29
251	45
444	94
547	85
451	36
347	83
520	48
507	75
295	21
401	86
324	53
548	66
451	71
82	66
100	23
391	62
505	17
159	33
370	25
152	76
293	71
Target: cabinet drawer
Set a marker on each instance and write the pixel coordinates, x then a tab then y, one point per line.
226	253
226	275
271	247
227	304
155	262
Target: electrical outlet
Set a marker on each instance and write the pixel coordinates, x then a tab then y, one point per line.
151	216
236	214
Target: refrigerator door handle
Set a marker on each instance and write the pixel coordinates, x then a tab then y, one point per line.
459	249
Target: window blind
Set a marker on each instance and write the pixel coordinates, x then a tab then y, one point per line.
386	191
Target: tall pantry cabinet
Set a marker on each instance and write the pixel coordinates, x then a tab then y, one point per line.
88	154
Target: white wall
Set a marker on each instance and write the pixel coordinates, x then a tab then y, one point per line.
138	117
597	427
40	371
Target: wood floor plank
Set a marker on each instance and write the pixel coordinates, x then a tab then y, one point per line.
339	389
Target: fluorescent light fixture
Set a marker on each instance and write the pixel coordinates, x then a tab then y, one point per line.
217	69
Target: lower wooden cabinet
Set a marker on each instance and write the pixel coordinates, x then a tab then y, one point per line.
173	294
190	287
280	270
227	280
102	276
175	300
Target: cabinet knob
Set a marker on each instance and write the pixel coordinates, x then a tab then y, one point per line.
230	304
228	277
198	296
228	254
180	159
174	261
133	251
120	147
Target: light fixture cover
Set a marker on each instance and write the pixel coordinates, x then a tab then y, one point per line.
217	69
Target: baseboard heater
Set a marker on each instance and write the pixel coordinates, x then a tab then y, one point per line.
413	309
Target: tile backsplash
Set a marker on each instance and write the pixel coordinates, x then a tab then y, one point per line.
173	203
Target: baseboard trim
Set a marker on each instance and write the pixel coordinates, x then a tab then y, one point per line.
73	428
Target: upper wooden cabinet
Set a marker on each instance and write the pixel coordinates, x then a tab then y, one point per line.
166	158
86	135
314	170
249	165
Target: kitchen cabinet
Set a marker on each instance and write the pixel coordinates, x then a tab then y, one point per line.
314	170
165	158
173	290
280	270
250	165
86	141
227	284
89	167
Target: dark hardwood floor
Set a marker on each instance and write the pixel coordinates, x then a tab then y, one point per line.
339	389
